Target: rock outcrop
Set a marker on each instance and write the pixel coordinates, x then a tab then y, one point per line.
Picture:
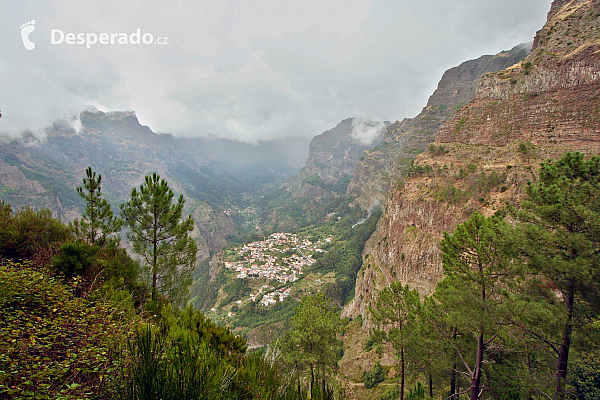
324	178
380	168
332	155
486	152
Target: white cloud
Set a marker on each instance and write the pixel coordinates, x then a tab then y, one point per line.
366	131
276	68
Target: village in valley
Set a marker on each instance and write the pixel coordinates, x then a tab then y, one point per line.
282	257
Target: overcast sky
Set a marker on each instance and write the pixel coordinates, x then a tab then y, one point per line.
251	70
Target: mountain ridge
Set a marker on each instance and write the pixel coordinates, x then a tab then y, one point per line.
482	163
380	168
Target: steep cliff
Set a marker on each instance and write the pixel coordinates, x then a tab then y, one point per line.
381	167
486	152
44	171
325	176
333	153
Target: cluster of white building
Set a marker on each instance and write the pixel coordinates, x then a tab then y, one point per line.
247	211
275	296
259	259
280	257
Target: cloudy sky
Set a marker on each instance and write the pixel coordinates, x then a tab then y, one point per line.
246	69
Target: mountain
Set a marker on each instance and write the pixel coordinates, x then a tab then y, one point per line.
220	179
486	152
318	198
380	167
324	178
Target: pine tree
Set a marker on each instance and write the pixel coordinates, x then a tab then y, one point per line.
470	299
98	223
161	237
312	342
428	354
561	242
395	309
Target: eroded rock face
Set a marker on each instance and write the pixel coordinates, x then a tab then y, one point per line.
379	169
552	97
333	153
326	174
487	151
13	179
213	228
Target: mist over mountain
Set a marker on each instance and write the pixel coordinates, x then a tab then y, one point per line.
454	252
221	179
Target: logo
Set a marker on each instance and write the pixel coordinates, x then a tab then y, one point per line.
89	39
26	29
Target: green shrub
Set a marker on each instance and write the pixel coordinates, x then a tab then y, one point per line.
73	259
53	344
162	369
419	170
390	393
192	325
416	393
437	150
29	232
374	377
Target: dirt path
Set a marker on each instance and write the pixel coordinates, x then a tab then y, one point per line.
388	278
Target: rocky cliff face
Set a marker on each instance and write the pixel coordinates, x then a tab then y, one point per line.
326	174
380	168
332	155
486	152
45	172
549	98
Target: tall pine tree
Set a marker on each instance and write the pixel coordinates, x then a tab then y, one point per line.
562	244
395	310
312	342
470	297
98	224
161	237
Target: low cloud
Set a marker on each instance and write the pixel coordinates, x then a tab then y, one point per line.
367	131
246	70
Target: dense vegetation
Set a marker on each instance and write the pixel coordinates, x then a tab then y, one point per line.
302	212
344	256
347	227
516	317
518	313
80	319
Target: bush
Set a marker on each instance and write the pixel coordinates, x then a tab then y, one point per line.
390	393
189	324
28	232
53	344
73	259
159	368
375	376
437	150
416	393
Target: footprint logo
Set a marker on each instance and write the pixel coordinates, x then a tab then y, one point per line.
26	29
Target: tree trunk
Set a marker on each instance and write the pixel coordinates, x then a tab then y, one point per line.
563	352
92	219
312	381
476	377
402	373
154	255
453	381
298	373
453	376
430	386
